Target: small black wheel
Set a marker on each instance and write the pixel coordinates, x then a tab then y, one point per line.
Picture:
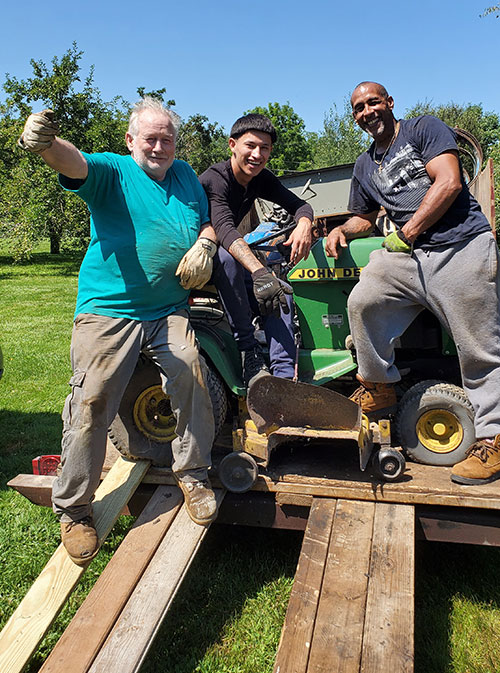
144	426
435	423
389	464
238	472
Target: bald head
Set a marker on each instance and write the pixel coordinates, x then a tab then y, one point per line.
372	109
364	86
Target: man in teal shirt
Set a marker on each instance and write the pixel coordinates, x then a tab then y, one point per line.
147	210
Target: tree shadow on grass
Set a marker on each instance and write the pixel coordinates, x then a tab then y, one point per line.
65	264
233	565
447	575
23	436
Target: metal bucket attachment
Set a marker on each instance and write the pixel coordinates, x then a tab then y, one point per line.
274	402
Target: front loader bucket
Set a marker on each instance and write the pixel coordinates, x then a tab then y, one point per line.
274	403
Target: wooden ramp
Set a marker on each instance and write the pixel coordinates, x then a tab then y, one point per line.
37	611
121	615
352	603
116	624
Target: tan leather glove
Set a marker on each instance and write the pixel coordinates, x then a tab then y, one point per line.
39	132
195	268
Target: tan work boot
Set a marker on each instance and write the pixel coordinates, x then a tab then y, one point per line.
80	540
375	399
482	464
200	500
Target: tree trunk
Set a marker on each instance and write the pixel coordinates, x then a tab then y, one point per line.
55	240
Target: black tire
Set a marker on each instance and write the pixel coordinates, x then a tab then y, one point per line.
145	425
389	464
435	423
238	472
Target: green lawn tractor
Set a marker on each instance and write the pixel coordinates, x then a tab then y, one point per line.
433	423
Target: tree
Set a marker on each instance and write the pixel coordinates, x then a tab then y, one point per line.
494	9
485	126
201	143
33	205
156	93
341	141
292	151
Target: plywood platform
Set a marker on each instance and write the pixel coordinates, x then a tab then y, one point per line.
298	474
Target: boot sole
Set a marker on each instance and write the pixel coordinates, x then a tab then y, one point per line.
469	481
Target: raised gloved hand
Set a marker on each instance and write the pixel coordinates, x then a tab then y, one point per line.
397	242
269	292
195	268
39	132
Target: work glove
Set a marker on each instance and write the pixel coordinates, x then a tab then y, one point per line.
269	292
39	132
397	242
195	268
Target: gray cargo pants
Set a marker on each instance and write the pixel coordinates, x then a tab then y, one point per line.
104	353
460	285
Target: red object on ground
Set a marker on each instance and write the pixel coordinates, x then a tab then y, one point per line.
45	464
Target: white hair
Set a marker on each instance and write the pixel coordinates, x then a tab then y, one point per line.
154	105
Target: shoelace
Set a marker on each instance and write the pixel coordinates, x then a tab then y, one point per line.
196	484
86	521
481	449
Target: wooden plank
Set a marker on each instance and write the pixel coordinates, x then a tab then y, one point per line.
313	473
133	633
37	488
317	475
100	610
338	631
293	650
388	633
30	622
424	485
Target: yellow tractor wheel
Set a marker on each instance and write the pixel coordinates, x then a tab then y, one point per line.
144	426
435	423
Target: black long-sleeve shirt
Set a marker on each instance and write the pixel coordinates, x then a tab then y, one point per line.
230	201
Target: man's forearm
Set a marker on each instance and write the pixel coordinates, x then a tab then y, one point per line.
65	158
241	252
357	227
434	205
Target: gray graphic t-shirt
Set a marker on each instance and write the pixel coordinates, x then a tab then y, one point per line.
400	183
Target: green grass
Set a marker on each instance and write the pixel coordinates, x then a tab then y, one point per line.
228	614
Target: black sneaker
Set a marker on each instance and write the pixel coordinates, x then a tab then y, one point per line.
253	364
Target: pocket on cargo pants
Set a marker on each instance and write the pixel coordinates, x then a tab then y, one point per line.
71	412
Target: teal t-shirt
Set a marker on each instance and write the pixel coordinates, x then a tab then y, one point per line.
140	230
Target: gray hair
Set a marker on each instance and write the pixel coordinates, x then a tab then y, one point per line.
148	103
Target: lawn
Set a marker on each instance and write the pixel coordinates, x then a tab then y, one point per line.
228	614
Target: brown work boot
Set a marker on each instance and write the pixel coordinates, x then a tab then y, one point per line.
375	399
80	540
482	464
200	500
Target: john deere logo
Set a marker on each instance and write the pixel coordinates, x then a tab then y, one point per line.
325	274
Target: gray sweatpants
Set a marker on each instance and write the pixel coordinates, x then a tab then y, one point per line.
460	285
104	353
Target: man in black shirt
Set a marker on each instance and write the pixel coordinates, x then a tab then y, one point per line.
245	285
441	257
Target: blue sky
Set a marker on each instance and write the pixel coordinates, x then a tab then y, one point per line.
223	57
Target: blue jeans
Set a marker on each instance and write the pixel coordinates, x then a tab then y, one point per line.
235	288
